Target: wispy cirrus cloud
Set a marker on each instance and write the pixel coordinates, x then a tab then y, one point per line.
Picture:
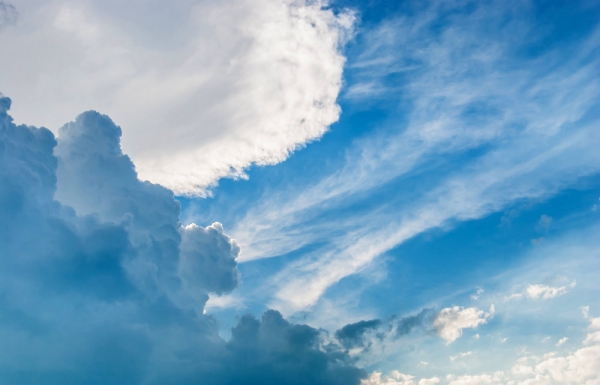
531	119
107	285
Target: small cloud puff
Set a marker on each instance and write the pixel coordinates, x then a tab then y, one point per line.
562	341
450	322
209	258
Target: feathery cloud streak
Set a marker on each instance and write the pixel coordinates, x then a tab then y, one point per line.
530	118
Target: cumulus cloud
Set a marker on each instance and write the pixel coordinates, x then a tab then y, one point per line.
580	367
482	379
450	322
538	291
395	378
205	88
594	335
102	284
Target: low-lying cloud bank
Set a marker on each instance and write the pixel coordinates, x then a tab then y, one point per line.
101	284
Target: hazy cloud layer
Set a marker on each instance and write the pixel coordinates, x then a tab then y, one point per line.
205	88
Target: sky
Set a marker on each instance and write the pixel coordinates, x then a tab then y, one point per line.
348	192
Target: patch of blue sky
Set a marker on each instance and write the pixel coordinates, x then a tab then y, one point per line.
467	142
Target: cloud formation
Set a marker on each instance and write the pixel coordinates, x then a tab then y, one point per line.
397	378
206	89
541	291
450	322
447	324
105	286
573	368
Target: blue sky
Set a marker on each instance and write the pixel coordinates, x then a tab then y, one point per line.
351	192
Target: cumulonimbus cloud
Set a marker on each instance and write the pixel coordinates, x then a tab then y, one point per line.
100	282
205	89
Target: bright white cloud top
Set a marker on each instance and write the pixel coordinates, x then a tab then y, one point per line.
205	89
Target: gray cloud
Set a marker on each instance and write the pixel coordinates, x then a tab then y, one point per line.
8	14
100	283
362	334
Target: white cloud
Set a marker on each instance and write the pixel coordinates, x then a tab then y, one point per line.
202	89
562	341
541	291
450	322
578	368
482	379
581	367
397	378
